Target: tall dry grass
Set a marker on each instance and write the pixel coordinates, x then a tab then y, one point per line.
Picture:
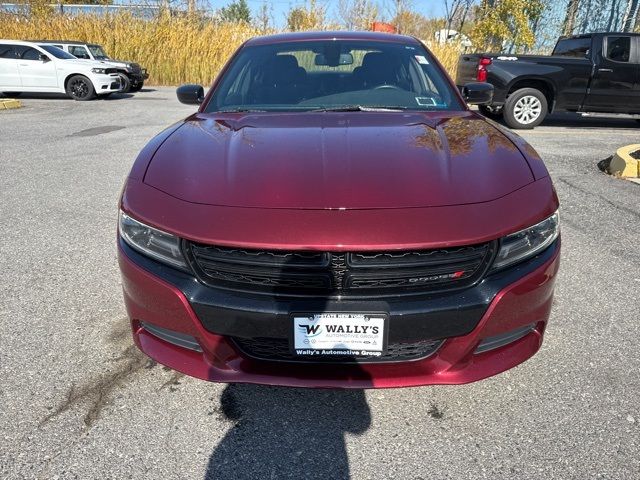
175	50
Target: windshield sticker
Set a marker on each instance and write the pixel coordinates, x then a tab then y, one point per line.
422	60
426	101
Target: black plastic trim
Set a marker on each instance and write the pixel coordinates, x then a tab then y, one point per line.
429	316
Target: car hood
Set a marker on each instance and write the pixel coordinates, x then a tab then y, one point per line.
355	160
82	62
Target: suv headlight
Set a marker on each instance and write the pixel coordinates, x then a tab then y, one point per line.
528	242
99	70
150	241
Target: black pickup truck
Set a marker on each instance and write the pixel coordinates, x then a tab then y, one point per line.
598	73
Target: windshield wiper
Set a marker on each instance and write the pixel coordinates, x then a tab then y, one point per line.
359	108
240	110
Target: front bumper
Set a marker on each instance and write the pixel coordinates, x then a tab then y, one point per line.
106	83
505	302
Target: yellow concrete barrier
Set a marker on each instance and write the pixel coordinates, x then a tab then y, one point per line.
7	103
624	164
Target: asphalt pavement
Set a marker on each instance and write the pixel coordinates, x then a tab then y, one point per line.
77	400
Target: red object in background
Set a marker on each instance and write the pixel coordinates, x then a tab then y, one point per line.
383	27
482	69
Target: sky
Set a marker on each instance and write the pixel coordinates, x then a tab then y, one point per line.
429	8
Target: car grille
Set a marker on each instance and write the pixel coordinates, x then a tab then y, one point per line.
278	349
135	68
325	273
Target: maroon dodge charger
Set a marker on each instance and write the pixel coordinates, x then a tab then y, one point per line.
334	215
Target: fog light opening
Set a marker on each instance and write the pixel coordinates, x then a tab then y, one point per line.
173	337
497	341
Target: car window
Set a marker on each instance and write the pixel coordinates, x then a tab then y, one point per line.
618	49
79	52
57	52
573	47
6	51
29	53
98	53
333	74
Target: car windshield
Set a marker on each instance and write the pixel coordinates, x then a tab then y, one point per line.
334	75
56	52
98	52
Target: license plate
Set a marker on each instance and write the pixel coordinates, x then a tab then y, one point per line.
339	334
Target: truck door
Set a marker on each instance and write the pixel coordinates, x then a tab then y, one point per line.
9	75
616	73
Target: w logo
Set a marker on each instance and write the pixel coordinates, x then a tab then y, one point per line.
310	330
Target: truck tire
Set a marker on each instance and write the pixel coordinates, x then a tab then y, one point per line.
525	108
125	83
494	113
80	88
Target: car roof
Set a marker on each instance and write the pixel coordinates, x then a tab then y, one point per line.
19	42
66	42
332	35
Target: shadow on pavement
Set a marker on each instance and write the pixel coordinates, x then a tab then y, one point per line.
287	432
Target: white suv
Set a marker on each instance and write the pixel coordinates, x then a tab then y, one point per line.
31	67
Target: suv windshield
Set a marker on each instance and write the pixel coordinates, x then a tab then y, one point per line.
333	75
98	52
58	53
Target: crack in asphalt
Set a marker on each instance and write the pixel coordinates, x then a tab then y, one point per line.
98	392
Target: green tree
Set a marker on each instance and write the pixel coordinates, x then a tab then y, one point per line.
311	16
506	24
236	12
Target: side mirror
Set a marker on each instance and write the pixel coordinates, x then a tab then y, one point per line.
190	94
478	93
43	58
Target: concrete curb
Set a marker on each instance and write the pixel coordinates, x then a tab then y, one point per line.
8	103
623	164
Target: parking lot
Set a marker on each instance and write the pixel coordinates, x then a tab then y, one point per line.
79	401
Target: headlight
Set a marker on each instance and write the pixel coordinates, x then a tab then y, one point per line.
528	242
152	242
99	70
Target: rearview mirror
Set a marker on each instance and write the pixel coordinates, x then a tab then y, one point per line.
477	93
324	61
190	94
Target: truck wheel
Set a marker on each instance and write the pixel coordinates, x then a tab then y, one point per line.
80	88
125	83
525	108
491	112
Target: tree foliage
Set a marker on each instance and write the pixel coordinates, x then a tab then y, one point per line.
506	24
357	14
236	12
310	16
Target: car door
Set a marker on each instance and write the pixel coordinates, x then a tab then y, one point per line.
35	72
9	74
616	71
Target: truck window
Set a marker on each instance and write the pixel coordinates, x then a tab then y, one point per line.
573	47
618	49
79	52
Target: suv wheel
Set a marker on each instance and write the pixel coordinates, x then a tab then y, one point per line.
525	108
80	88
125	83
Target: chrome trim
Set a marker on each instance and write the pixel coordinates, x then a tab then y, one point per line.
497	341
173	337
